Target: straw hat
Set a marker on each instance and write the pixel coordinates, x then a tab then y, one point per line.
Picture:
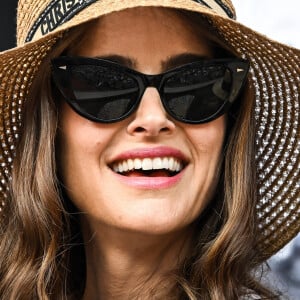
275	74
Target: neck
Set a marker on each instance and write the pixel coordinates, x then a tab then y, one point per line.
130	265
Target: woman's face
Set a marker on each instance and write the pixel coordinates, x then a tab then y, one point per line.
150	41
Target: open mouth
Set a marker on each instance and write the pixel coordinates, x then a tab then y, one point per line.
149	167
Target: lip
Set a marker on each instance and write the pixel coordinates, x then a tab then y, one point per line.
150	182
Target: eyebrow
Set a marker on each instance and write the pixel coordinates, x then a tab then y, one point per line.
122	60
182	59
169	63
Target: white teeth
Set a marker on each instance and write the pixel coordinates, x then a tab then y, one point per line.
137	163
125	166
130	164
157	163
120	167
175	165
147	164
165	163
171	164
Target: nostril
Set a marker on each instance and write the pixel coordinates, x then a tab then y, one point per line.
139	129
165	129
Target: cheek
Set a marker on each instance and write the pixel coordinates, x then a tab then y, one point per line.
78	135
74	136
208	143
80	145
209	138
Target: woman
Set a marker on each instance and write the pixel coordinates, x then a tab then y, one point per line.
140	160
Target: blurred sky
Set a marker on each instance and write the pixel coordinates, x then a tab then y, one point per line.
278	19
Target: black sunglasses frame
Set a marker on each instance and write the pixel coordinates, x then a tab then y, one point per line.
236	68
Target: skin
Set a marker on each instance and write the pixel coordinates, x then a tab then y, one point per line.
134	235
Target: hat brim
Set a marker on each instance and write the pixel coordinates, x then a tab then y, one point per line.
275	76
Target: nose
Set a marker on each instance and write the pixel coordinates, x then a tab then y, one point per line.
150	118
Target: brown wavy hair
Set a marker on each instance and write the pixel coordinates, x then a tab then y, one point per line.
42	255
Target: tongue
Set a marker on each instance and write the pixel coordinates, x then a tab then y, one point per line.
152	173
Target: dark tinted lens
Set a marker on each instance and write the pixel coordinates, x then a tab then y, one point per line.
198	93
102	92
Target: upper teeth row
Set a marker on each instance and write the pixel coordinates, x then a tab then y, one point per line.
157	163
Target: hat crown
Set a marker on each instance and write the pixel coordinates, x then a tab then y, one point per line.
28	12
36	18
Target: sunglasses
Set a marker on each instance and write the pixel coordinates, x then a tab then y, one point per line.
104	91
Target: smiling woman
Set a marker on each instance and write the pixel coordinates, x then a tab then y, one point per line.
134	166
157	204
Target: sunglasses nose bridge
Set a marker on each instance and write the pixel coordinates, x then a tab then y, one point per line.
152	81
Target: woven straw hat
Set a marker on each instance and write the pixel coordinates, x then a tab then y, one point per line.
275	74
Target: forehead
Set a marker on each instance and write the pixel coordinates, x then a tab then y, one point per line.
145	34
